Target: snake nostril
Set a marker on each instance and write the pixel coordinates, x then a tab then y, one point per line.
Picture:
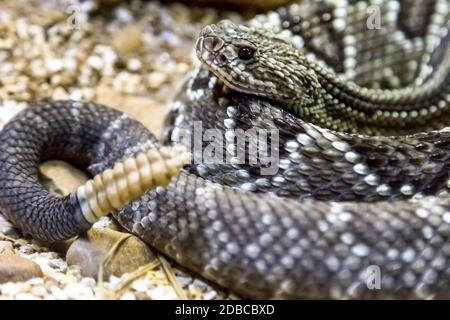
221	58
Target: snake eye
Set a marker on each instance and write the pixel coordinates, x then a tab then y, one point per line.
246	53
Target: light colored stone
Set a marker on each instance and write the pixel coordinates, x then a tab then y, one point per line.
26	296
69	280
73	291
141	285
128	296
6	247
107	222
60	94
58	264
10	289
36	281
58	293
64	177
134	64
54	65
147	111
95	62
89	251
200	284
87	293
209	295
156	79
57	276
128	40
88	282
162	293
184	281
39	291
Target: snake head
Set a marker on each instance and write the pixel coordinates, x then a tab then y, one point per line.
255	61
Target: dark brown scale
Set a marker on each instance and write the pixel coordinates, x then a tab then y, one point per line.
376	160
327	174
388	171
417	158
415	16
436	184
324	194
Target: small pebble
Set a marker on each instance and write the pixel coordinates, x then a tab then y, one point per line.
54	65
156	79
123	15
88	282
209	295
57	293
134	65
141	285
128	296
39	291
36	282
26	296
10	288
199	283
95	62
162	293
184	281
6	247
57	276
73	291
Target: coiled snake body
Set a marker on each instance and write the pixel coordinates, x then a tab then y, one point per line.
352	193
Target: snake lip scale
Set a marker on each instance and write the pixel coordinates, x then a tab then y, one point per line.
364	155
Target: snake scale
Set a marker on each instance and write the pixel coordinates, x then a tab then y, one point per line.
358	94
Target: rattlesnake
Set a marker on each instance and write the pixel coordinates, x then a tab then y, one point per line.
361	183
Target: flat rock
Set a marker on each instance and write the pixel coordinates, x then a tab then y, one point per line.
60	177
14	268
89	251
150	112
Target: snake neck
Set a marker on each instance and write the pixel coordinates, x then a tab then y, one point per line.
342	105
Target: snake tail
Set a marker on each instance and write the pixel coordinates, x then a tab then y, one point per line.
46	131
128	180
